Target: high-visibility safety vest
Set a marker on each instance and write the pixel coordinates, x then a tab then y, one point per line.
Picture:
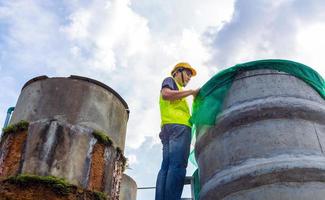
174	112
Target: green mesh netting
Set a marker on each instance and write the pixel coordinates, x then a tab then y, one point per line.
208	103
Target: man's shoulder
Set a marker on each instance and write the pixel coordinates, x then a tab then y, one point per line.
170	83
168	79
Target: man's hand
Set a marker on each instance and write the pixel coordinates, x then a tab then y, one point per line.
195	92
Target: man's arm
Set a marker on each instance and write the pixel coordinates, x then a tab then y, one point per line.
171	95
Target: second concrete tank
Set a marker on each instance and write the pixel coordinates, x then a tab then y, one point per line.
128	189
268	142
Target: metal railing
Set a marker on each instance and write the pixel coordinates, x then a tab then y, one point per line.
188	181
9	111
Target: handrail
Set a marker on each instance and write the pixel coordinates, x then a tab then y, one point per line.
188	181
9	111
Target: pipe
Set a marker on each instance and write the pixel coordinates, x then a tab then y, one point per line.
9	111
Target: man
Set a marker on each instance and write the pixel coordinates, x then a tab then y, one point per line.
175	132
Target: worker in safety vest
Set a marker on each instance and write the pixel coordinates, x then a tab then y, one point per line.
175	132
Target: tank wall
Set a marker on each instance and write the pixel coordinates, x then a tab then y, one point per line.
76	102
271	124
128	189
298	191
259	84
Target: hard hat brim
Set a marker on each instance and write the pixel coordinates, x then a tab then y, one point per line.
185	66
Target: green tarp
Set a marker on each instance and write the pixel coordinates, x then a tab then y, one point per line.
208	103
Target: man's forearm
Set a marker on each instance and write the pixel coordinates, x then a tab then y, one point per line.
172	95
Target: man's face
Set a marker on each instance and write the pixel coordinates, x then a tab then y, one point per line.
187	74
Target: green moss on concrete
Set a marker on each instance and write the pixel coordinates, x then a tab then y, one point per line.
118	150
100	196
124	163
102	137
122	158
59	185
20	126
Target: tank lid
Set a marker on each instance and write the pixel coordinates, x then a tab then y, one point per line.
87	80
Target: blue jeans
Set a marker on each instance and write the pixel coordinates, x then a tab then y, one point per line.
176	140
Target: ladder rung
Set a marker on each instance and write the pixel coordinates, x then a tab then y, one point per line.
188	180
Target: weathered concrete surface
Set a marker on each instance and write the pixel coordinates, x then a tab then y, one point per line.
55	148
110	154
97	168
283	191
78	101
128	188
271	132
11	148
39	191
116	178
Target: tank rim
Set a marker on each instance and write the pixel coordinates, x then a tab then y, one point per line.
43	77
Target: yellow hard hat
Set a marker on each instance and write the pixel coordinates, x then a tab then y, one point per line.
185	66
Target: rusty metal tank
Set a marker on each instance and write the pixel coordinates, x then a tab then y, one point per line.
268	142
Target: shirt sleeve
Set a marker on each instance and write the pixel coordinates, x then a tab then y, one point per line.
169	83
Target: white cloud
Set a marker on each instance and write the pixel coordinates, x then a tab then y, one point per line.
9	91
268	29
78	28
169	18
311	46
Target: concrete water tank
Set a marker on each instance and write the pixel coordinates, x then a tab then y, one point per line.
75	100
268	142
128	189
76	131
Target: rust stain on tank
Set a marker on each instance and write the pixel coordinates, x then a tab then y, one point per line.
97	168
12	153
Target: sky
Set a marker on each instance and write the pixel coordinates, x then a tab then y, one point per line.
131	46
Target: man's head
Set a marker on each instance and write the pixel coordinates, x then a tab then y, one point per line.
183	72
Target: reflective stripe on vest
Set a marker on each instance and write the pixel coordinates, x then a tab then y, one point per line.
174	112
